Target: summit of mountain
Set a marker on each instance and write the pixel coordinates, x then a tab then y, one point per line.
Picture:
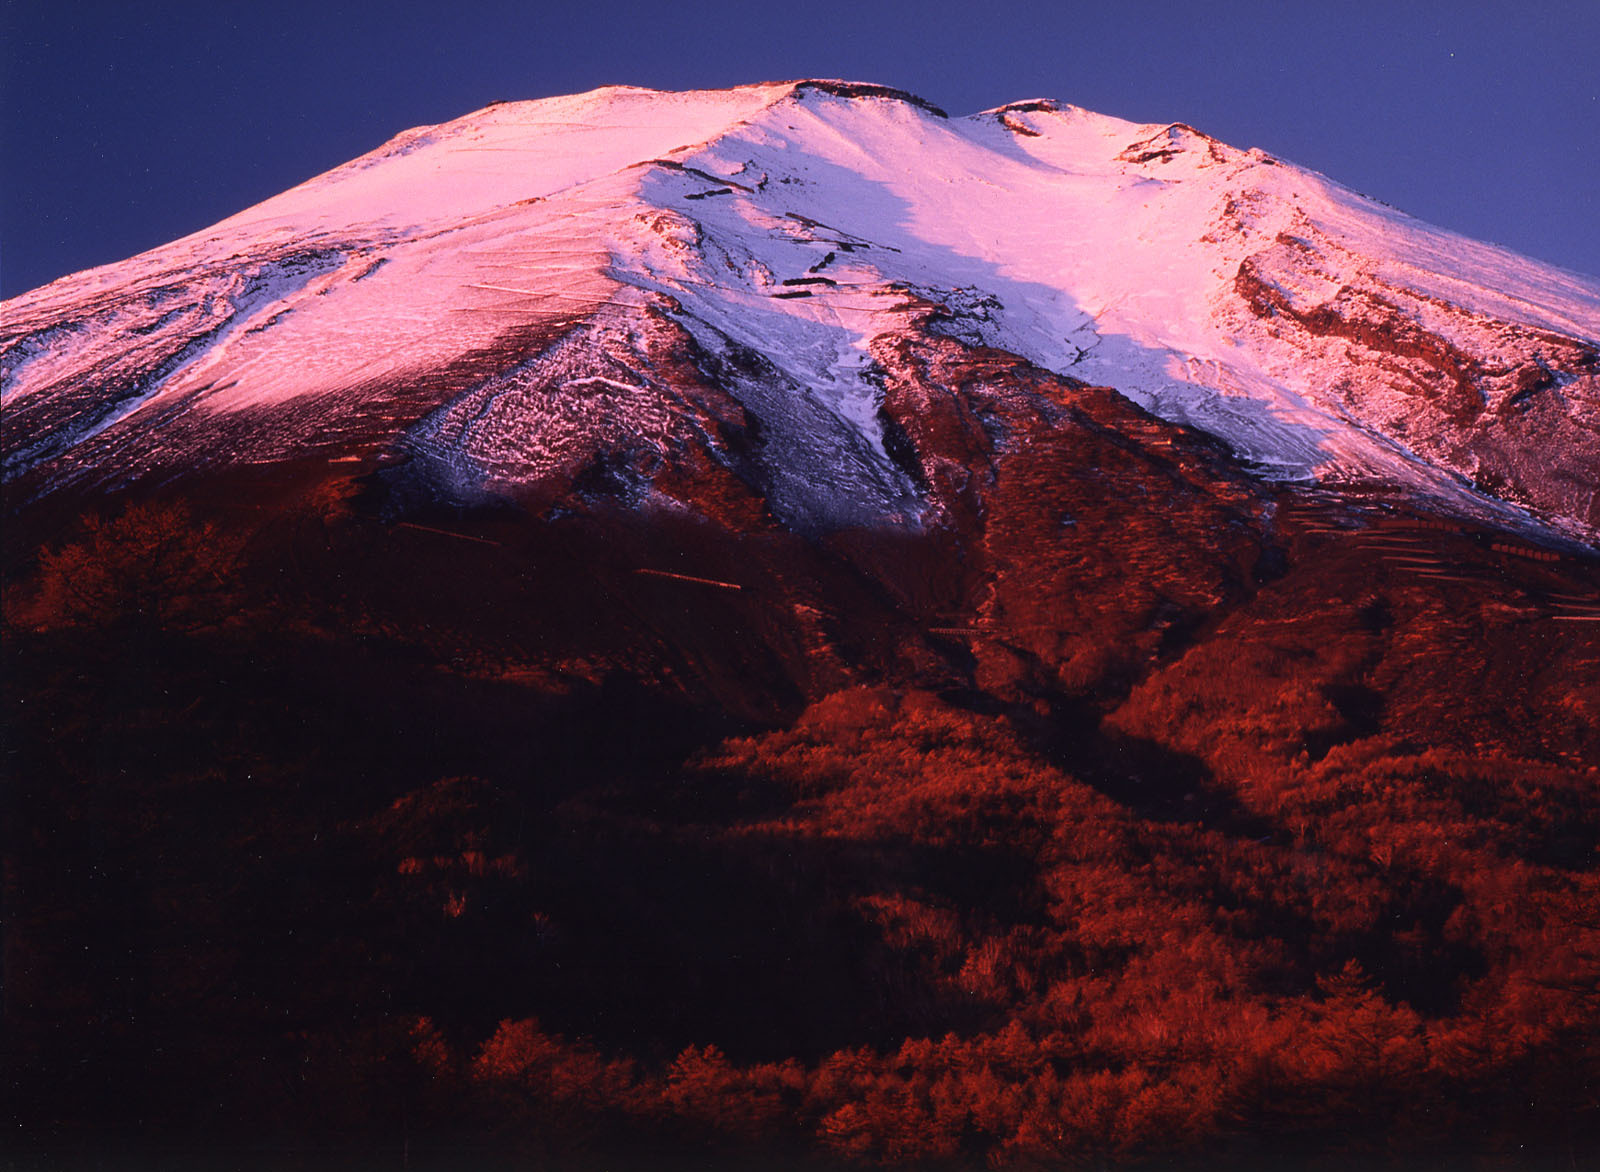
712	279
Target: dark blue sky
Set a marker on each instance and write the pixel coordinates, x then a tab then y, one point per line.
127	124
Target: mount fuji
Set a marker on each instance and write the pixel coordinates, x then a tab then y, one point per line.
674	290
775	627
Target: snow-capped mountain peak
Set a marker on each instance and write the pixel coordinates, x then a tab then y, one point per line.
510	296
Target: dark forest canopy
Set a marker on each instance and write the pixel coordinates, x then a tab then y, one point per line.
345	859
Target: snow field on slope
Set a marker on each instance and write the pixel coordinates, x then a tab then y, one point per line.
1094	247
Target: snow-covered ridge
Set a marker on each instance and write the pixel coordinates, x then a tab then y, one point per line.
1321	334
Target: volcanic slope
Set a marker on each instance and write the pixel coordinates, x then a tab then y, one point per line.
674	292
776	622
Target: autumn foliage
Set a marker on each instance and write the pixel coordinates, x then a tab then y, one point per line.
295	848
151	566
1379	978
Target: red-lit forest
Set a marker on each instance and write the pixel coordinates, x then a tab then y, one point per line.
1192	841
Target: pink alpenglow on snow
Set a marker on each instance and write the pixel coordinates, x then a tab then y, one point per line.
425	297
